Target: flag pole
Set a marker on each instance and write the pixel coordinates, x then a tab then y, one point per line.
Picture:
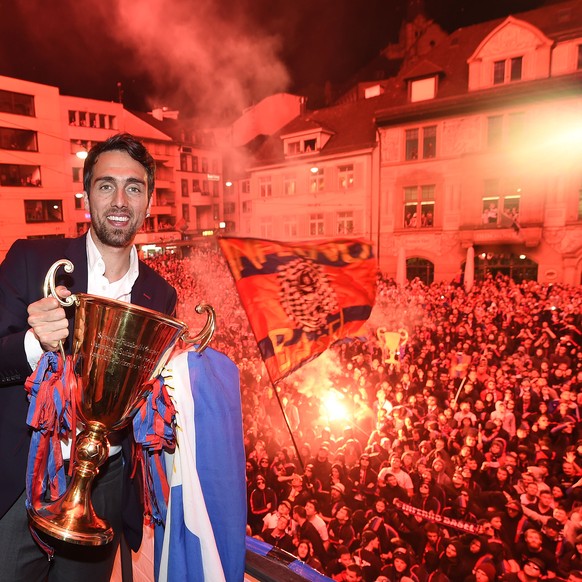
287	423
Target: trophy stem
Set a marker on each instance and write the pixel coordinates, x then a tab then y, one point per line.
71	517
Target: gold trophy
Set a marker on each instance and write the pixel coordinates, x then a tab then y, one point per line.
391	342
118	350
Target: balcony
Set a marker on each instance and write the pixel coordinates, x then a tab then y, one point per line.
529	235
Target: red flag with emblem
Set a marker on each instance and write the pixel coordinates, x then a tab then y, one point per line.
301	297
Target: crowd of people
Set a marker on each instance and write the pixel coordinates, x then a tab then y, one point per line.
459	453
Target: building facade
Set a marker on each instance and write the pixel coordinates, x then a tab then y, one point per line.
475	143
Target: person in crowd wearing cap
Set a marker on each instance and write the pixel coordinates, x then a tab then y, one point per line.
484	572
367	556
401	568
553	540
532	570
330	506
284	508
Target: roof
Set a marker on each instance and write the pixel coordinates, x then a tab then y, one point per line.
353	125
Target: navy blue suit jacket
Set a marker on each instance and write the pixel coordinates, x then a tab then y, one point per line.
21	283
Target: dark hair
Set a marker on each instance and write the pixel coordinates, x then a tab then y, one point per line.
121	142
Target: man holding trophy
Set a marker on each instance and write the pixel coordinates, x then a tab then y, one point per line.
118	185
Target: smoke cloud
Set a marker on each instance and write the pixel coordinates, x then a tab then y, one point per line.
195	55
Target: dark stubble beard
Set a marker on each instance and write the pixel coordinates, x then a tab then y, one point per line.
114	237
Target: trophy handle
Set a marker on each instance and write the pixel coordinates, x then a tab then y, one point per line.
49	289
204	336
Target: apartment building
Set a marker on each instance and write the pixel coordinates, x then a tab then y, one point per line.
43	139
475	143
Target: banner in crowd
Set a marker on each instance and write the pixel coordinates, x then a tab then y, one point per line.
301	298
459	524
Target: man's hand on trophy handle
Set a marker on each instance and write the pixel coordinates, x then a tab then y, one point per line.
48	320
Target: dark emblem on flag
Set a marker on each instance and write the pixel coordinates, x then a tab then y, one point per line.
306	294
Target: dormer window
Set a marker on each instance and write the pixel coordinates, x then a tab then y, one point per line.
293	147
507	70
309	145
423	89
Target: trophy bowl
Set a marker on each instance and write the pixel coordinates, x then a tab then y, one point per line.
118	350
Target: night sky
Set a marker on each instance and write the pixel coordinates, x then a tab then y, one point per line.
214	57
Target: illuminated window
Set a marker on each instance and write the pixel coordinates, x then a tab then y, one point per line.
345	222
316	181
423	89
17	103
265	187
19	175
346	176
316	224
419	205
18	139
43	211
500	204
507	70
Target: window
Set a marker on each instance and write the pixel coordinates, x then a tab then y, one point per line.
266	227
185	163
293	147
423	89
316	181
516	126
290	184
205	188
214	166
412	144
196	186
194	163
17	103
499	209
309	145
245	186
77	174
18	139
429	142
186	212
204	164
579	61
580	203
345	222
87	119
494	130
289	227
184	186
346	176
265	187
419	204
507	71
247	206
229	208
316	225
19	175
43	210
79	202
413	136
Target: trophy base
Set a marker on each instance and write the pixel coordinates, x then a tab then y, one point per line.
91	531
